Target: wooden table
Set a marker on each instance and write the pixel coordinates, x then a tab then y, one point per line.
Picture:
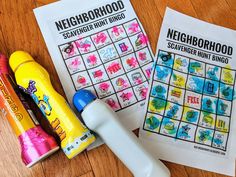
19	31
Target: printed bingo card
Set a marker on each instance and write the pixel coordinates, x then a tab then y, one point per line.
100	46
190	110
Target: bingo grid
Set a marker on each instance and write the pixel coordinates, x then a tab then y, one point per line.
114	63
190	100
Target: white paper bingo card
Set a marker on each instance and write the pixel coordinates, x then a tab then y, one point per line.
189	112
100	46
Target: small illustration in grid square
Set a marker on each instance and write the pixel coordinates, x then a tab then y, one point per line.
85	45
147	70
144	57
176	95
139	41
117	33
136	77
213	72
98	74
209	104
220	140
75	64
113	102
197	68
120	83
178	79
91	60
204	136
227	76
169	127
153	122
126	97
124	47
207	120
159	90
165	59
114	68
69	50
226	91
195	84
186	131
190	115
173	111
104	89
130	62
141	91
157	105
108	53
162	74
222	123
132	27
181	63
101	39
211	87
81	80
223	107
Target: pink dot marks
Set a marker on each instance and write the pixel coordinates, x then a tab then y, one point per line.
74	64
83	44
142	90
100	38
142	39
148	72
142	56
112	103
133	28
121	83
69	50
92	59
98	74
126	96
81	80
114	67
116	31
104	87
132	62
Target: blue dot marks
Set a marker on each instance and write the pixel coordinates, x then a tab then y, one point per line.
165	59
162	74
211	87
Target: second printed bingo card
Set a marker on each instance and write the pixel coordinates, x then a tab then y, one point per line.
190	107
100	46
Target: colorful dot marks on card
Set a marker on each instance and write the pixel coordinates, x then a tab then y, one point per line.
141	91
204	136
228	76
84	45
159	90
152	122
132	28
157	105
169	127
197	68
195	84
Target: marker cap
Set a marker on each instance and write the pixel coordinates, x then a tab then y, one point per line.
18	58
82	98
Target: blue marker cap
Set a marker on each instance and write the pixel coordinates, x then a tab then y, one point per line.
82	98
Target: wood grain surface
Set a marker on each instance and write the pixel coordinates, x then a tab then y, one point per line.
19	31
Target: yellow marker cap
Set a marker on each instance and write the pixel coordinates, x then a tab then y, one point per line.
18	58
